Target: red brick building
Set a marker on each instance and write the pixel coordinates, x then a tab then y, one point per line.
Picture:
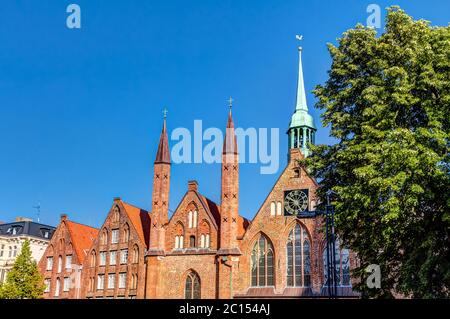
61	264
206	249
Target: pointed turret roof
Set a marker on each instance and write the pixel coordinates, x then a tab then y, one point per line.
163	153
229	143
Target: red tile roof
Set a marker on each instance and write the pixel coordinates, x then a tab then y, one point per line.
243	223
140	219
82	238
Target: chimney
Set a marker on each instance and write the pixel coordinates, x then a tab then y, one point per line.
192	186
23	219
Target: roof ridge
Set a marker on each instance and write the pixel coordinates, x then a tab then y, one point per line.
85	225
134	206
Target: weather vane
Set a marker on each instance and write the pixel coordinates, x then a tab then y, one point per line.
299	38
230	102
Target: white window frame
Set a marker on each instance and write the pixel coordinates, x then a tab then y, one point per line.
181	242
190	219
102	261
60	264
69	262
113	259
279	208
58	287
123	256
66	285
122	280
114	236
272	209
47	283
49	263
195	218
100	282
111	281
202	241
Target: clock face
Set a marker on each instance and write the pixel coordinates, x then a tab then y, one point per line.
295	202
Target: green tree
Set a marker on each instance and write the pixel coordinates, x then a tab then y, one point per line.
24	280
387	101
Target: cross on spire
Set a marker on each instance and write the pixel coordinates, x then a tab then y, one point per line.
299	38
230	102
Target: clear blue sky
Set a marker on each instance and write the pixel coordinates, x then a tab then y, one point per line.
80	110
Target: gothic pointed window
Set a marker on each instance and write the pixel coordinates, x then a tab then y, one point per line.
272	209
135	254
126	233
190	219
342	269
279	210
192	286
298	253
116	214
195	218
262	263
202	241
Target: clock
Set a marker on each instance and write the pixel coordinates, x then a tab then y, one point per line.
295	202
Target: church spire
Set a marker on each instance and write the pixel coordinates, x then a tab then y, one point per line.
163	154
301	95
229	143
301	130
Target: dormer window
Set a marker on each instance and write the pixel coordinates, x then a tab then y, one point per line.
45	233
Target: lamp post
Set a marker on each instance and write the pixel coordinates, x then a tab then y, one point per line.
331	247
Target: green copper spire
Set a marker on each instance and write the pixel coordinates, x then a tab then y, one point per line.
301	95
301	128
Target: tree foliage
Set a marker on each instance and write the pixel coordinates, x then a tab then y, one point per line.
387	102
24	280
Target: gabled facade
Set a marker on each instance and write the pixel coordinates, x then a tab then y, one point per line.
61	263
114	266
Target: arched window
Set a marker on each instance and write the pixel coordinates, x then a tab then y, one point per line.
192	286
134	281
61	244
190	219
104	237
58	287
342	265
116	214
298	258
195	218
60	264
177	242
93	259
202	241
192	241
272	209
262	267
179	231
135	254
126	233
279	208
207	241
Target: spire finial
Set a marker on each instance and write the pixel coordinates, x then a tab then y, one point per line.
165	112
299	38
230	102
